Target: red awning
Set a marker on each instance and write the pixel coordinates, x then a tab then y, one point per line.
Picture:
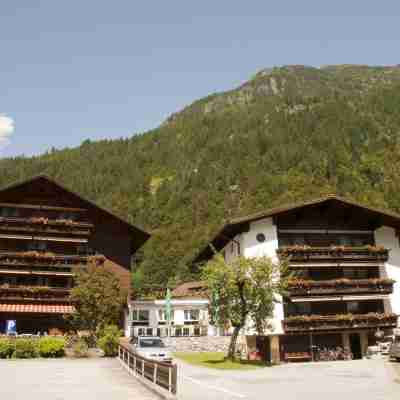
37	308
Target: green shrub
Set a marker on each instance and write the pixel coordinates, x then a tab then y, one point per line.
109	340
7	348
50	347
26	348
80	348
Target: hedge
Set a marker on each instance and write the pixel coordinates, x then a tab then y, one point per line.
30	348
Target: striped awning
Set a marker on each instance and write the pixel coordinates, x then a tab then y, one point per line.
37	308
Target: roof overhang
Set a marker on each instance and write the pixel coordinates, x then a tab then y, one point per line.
242	224
139	235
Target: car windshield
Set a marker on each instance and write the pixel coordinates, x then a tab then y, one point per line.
151	343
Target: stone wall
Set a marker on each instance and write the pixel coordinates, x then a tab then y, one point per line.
201	343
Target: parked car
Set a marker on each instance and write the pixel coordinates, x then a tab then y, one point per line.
394	351
151	347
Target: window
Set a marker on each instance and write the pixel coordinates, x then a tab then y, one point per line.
297	309
37	246
352	306
192	315
82	249
260	237
162	316
67	216
140	317
9	212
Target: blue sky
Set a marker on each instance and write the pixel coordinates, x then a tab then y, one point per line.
73	70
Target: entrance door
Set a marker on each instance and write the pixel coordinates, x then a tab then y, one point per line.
263	346
355	346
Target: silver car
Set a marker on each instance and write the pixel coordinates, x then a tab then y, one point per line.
151	347
395	349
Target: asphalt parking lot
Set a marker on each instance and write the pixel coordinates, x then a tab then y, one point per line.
340	380
69	379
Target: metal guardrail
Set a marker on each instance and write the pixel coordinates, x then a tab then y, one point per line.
161	374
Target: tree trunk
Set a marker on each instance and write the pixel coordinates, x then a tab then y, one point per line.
232	344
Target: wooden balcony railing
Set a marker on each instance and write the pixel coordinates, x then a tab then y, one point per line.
302	287
307	323
45	225
33	293
34	259
334	253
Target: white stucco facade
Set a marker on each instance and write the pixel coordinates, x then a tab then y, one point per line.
386	236
178	312
250	247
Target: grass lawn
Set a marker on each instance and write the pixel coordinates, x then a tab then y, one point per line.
217	361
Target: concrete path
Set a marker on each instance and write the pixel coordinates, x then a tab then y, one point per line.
340	380
69	379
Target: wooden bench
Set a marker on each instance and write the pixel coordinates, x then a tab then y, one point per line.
297	356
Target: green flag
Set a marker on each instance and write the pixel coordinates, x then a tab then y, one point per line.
168	313
215	307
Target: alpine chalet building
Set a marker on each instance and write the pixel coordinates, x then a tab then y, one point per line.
345	261
46	232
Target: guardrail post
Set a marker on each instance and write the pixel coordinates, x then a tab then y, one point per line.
170	379
155	374
129	364
143	368
134	365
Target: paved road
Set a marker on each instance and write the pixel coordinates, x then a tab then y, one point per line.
68	379
340	380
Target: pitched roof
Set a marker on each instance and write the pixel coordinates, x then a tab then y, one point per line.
241	224
141	236
193	289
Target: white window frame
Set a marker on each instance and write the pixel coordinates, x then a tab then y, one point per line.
135	315
189	311
161	315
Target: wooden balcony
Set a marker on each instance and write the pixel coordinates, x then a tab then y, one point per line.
302	287
45	226
334	254
309	323
33	293
33	260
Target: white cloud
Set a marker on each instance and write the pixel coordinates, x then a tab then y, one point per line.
6	130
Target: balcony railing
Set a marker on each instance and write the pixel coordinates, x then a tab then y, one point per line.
45	225
307	323
33	293
334	253
303	287
48	261
174	331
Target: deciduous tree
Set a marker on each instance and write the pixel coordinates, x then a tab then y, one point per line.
247	290
98	299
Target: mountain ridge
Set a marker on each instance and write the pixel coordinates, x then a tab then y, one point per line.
288	134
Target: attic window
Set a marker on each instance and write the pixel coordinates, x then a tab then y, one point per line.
260	238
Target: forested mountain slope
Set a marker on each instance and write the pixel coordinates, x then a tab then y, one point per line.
288	134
